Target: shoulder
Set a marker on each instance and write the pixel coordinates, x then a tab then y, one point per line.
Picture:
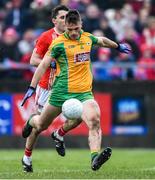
93	38
86	34
46	34
58	40
57	45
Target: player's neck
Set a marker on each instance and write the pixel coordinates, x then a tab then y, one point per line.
58	31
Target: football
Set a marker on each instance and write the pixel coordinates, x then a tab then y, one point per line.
72	108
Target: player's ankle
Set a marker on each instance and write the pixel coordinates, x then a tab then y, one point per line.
27	160
61	131
93	155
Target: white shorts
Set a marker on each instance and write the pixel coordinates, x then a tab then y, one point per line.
41	97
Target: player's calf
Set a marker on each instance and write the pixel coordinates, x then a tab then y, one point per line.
27	129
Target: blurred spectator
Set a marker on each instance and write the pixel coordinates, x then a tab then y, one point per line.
26	46
9	53
104	68
9	46
27	43
103	65
82	5
21	21
141	21
128	13
18	17
137	5
107	30
118	24
146	65
127	72
41	10
133	39
91	21
149	33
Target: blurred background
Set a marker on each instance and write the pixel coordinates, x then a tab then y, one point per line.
124	84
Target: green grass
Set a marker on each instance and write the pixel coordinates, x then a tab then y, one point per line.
124	164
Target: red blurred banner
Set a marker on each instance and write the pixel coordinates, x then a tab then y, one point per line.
21	114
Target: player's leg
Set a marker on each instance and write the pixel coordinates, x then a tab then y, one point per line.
39	123
91	115
42	121
27	158
40	100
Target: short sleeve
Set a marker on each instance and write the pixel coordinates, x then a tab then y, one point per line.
55	50
94	39
42	45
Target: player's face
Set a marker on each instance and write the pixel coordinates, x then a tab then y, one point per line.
59	21
73	30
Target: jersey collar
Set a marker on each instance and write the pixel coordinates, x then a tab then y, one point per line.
67	36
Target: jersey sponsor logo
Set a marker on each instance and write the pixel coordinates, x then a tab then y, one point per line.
82	57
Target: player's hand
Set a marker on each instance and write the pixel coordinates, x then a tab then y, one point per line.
123	48
29	93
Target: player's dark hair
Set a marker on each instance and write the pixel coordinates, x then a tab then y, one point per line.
73	16
58	8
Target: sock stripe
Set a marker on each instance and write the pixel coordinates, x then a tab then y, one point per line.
28	152
61	132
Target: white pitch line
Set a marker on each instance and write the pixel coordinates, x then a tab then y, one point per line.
149	169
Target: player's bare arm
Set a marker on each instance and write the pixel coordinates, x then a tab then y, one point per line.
45	63
35	58
105	42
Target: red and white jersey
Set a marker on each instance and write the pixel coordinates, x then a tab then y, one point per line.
42	45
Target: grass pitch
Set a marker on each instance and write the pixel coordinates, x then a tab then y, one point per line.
124	164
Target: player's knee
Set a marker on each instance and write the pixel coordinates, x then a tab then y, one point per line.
77	122
35	132
41	127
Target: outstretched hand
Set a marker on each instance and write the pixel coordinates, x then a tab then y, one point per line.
124	48
29	93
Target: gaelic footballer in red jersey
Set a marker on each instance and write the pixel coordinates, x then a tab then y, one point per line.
40	50
42	91
45	82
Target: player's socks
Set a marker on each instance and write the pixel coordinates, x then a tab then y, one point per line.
27	156
27	160
28	152
93	154
61	132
